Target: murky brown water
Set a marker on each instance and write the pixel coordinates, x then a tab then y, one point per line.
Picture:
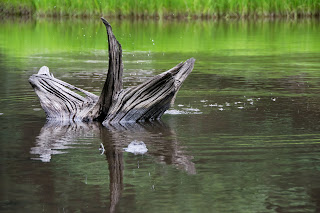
243	135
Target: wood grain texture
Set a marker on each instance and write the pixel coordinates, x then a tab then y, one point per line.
57	98
147	101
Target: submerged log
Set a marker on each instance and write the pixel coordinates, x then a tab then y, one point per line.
147	101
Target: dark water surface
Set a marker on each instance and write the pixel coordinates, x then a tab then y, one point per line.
243	136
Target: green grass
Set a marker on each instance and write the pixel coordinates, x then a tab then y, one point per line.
162	9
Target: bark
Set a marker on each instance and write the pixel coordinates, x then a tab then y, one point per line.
147	101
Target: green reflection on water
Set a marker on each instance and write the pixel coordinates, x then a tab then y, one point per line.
221	37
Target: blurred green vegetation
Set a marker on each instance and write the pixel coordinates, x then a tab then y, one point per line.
166	8
249	38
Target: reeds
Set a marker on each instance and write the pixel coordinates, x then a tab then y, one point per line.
164	8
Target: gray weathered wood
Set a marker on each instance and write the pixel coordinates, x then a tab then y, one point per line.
58	100
147	101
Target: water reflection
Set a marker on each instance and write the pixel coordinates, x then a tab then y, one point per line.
115	164
57	137
160	140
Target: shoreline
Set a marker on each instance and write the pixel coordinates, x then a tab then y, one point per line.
28	15
231	9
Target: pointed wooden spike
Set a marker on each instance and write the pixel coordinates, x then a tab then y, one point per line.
113	83
105	22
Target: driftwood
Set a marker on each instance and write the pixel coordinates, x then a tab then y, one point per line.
147	101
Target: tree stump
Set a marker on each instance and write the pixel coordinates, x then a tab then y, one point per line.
147	101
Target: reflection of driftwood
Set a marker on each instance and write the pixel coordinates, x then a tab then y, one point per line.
160	140
56	138
115	162
147	101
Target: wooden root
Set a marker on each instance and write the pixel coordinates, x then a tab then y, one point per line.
147	101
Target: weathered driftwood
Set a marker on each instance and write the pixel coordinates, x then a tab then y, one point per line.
147	101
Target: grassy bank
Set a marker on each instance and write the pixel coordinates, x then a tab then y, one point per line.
162	9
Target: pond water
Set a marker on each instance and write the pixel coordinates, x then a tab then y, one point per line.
243	135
